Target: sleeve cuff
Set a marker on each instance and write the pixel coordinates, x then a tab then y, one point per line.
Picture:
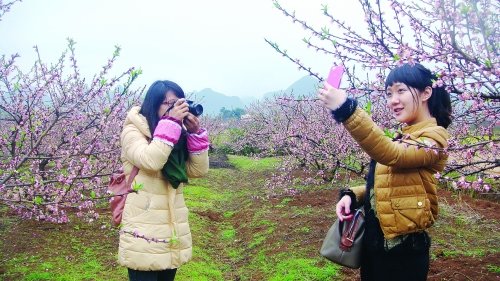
172	119
167	131
198	143
345	110
351	194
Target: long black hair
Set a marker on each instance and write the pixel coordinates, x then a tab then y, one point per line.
155	97
419	77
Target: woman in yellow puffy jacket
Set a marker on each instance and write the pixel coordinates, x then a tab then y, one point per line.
400	198
167	144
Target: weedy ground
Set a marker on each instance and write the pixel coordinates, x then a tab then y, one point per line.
239	233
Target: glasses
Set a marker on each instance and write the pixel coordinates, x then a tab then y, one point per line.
170	103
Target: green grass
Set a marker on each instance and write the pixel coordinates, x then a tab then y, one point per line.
304	229
199	224
288	266
85	266
462	233
258	246
284	202
202	198
260	236
469	253
493	268
300	212
228	214
229	234
295	269
201	268
253	164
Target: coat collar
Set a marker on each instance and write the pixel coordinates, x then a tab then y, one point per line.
138	120
420	125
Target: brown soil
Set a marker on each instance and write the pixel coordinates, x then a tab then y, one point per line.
42	238
442	268
219	160
286	237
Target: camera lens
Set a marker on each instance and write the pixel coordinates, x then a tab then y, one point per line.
195	108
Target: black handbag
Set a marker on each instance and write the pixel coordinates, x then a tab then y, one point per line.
343	242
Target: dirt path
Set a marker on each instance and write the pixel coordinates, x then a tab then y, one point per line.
465	243
240	234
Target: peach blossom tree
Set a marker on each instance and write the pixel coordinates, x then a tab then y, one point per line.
59	133
457	39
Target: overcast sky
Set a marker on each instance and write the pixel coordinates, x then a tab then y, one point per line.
199	44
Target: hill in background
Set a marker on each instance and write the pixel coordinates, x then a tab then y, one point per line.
214	101
304	86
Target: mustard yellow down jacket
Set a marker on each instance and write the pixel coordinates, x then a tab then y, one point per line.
157	212
405	182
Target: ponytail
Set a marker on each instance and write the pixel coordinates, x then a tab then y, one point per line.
440	106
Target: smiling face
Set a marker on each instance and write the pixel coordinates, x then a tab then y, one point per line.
407	104
168	102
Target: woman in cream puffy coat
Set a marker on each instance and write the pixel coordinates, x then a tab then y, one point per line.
400	197
155	238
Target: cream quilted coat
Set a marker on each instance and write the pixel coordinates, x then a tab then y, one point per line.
157	211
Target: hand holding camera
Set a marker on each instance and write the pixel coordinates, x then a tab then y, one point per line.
187	111
192	123
179	110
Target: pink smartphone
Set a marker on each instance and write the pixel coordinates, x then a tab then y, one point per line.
335	76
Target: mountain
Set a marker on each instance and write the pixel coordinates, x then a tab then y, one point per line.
213	101
249	100
305	86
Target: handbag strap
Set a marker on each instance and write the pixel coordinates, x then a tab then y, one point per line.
133	173
349	231
353	227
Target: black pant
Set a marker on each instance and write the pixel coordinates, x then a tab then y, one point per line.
408	261
389	266
163	275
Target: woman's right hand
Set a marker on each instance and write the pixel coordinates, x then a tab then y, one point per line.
331	97
180	110
343	208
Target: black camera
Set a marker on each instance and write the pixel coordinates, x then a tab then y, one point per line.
194	108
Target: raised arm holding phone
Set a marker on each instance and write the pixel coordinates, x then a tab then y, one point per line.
400	196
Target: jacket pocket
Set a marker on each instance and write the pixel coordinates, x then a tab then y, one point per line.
412	213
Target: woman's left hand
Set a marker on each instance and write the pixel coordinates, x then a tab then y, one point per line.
192	123
331	97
